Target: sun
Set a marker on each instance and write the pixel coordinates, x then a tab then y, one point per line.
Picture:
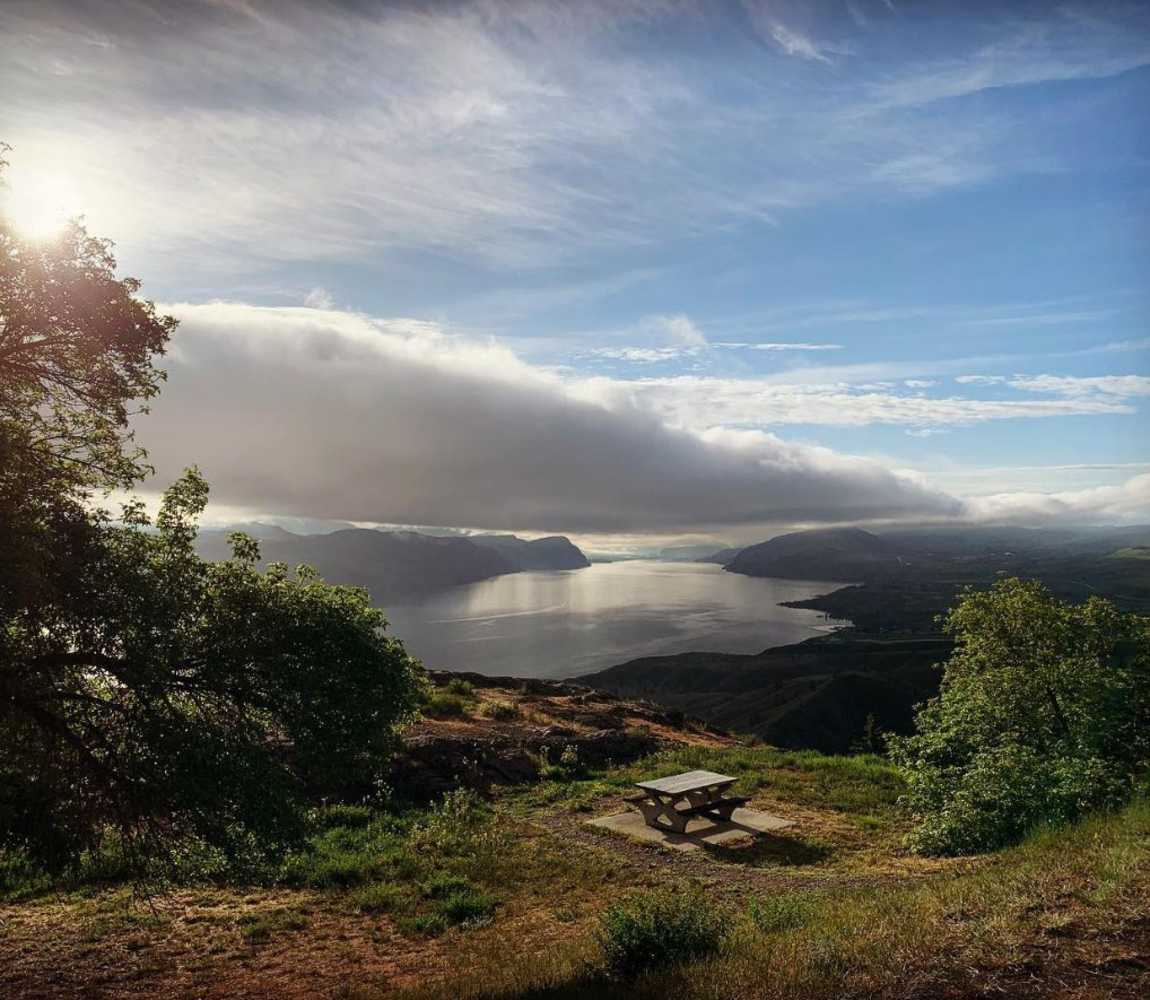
38	204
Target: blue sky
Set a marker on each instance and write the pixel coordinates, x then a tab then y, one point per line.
899	249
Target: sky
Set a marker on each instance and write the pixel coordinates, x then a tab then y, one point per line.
631	271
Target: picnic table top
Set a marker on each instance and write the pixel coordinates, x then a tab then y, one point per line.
688	781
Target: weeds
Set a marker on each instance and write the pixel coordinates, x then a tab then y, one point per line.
659	929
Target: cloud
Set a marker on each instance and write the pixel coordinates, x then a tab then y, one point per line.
1072	44
678	329
318	298
328	414
642	355
919	383
1126	502
699	402
515	135
793	43
1084	385
778	346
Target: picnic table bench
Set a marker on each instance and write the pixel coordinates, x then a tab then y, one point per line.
670	803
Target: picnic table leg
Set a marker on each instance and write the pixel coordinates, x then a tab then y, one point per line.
657	808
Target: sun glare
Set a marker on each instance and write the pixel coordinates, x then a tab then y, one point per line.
39	204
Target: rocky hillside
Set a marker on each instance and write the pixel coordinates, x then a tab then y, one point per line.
481	732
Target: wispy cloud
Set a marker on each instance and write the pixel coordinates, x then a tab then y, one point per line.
778	346
519	135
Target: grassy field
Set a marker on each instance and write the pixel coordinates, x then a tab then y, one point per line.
515	897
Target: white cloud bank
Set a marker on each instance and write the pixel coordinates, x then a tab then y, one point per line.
333	415
1129	501
329	414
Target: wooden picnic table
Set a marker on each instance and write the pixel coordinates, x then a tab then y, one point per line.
670	803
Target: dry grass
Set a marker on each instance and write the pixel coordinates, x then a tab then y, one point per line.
963	934
1067	907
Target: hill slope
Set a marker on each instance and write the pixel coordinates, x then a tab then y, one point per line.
816	693
828	554
401	565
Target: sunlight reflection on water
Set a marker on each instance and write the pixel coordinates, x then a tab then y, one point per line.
566	622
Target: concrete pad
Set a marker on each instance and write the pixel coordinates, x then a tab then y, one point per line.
743	826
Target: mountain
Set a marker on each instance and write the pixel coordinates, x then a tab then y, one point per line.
722	557
826	554
552	552
686	553
814	694
820	692
395	566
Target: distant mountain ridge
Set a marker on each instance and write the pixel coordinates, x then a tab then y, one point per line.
396	566
820	693
551	552
846	554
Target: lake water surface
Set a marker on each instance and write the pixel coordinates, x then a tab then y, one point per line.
566	622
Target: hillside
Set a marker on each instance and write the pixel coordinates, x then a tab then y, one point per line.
552	552
848	554
400	565
817	693
503	895
903	578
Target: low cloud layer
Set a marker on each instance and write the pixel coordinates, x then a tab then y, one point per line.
329	414
333	415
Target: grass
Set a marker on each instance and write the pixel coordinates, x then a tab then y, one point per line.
529	912
972	929
259	928
655	930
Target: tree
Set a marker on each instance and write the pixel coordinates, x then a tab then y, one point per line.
176	698
145	692
1043	715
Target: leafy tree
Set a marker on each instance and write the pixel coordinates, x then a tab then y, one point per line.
143	691
1044	714
176	697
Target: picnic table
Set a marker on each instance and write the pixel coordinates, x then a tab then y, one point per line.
670	803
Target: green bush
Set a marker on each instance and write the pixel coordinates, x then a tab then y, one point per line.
453	826
444	705
499	711
466	906
353	816
460	687
1043	715
568	766
380	897
657	929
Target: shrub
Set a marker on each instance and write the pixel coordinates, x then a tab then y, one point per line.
567	768
460	687
658	929
380	897
466	906
499	711
443	705
452	826
342	815
1043	715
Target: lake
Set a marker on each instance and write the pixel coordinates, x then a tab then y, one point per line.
567	622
